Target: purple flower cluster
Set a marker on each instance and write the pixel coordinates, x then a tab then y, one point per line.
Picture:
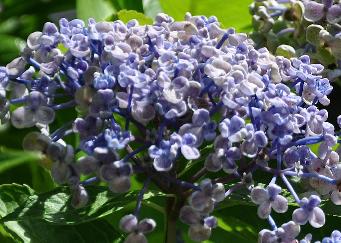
150	98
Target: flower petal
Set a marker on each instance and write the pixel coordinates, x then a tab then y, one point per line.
249	149
264	210
189	216
280	204
199	232
211	221
16	67
136	238
313	11
120	184
334	14
291	230
199	200
128	223
267	236
317	218
218	192
259	195
213	163
190	152
22	118
162	163
45	115
300	216
80	197
146	225
336	197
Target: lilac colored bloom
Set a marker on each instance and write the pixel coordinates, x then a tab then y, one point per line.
3	76
164	154
103	81
201	127
233	129
210	193
117	174
117	139
136	230
176	102
187	146
35	112
334	238
313	11
268	199
309	211
286	233
200	224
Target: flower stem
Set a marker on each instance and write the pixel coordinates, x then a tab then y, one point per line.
173	208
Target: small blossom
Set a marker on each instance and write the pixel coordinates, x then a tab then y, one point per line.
200	224
309	211
268	199
164	155
286	233
335	237
136	230
209	194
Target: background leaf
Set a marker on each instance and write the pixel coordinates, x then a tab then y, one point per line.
136	5
10	158
54	206
229	12
126	15
12	196
99	9
151	8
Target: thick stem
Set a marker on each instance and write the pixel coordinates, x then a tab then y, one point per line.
173	207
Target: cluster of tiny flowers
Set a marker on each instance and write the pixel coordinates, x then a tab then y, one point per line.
296	27
148	99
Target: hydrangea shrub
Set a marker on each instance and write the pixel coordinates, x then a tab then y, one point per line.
195	111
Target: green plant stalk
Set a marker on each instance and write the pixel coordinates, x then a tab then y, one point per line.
173	208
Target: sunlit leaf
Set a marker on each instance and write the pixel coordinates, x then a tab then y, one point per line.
54	206
99	9
13	196
151	8
229	12
126	15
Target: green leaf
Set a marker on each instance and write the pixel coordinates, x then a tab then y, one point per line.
229	13
312	34
10	158
240	197
126	15
12	196
130	4
285	51
329	208
24	167
239	223
236	229
54	206
5	237
9	47
99	9
151	8
38	231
